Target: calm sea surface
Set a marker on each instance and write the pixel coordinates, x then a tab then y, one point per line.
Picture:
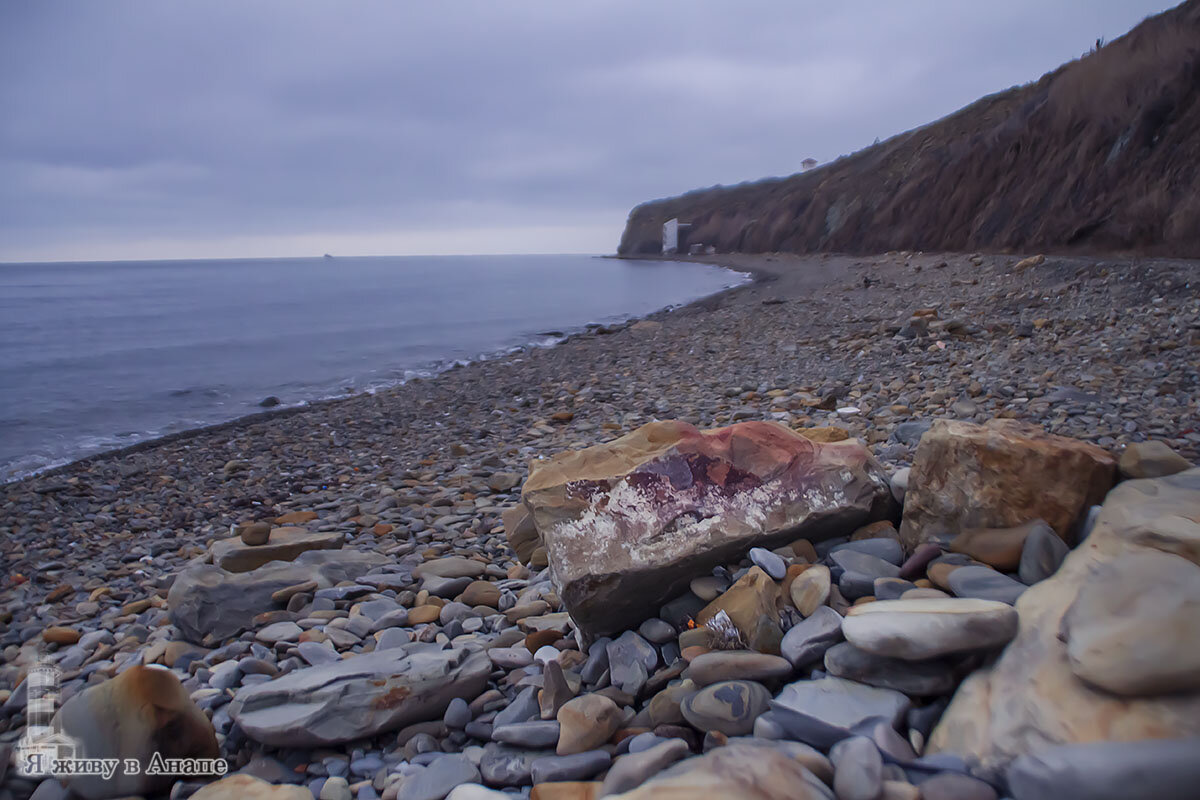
100	355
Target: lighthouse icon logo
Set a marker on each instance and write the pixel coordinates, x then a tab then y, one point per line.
42	746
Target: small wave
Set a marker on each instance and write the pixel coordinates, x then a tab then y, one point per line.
197	391
34	463
222	399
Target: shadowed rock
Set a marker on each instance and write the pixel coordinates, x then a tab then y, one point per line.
358	697
207	601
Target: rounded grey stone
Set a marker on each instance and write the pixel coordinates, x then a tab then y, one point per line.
1041	555
577	767
858	769
808	640
985	583
729	707
769	562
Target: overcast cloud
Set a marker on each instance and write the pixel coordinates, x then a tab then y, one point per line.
221	128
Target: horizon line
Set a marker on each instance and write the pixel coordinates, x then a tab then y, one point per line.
292	258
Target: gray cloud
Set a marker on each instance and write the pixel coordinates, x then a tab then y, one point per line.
225	127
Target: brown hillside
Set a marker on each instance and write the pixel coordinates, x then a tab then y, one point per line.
1101	155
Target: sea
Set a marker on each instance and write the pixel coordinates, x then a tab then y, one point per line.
96	356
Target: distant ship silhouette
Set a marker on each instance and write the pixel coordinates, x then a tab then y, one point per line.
328	256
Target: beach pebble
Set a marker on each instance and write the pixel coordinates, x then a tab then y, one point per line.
729	707
810	589
984	583
858	769
808	640
770	563
586	722
915	630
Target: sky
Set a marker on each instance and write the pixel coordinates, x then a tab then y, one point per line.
270	128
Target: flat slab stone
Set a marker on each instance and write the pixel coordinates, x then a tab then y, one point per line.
279	632
842	703
885	549
532	735
508	766
208	603
919	629
234	555
915	678
985	583
727	665
359	697
450	567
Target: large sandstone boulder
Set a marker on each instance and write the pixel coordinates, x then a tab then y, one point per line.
1042	691
142	711
1000	475
283	544
209	604
627	524
359	697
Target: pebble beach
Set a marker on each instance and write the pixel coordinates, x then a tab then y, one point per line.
414	482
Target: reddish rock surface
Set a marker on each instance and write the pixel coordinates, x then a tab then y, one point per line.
1000	475
627	524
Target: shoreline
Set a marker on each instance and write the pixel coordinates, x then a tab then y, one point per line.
776	276
255	417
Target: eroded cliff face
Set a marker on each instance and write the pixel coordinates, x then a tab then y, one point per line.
1100	155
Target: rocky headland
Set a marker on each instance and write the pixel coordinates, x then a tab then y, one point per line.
1100	155
899	527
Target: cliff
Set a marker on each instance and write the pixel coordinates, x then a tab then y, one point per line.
1101	155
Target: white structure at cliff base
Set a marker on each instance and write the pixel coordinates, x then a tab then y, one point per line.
672	229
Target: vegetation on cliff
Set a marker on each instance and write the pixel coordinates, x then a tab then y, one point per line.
1100	155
